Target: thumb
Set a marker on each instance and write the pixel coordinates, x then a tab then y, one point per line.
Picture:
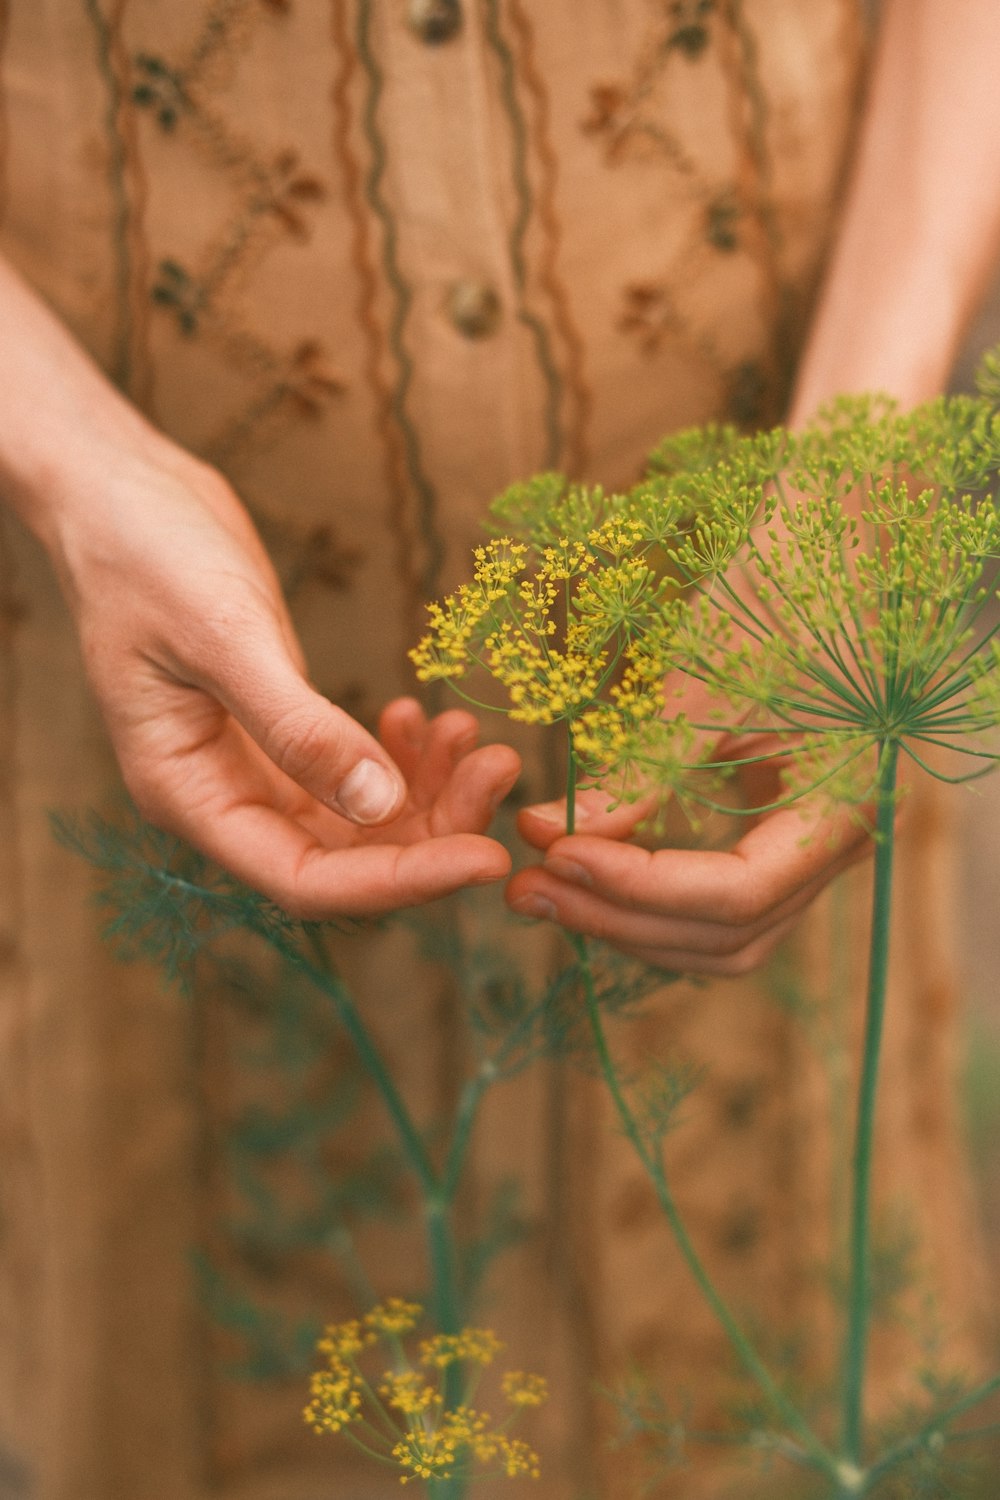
313	742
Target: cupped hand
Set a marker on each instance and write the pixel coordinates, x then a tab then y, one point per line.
219	736
690	911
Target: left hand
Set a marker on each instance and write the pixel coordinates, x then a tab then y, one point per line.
688	911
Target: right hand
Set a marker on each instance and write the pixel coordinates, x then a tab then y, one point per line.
220	738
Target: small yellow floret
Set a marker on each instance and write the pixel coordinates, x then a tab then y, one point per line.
394	1316
524	1390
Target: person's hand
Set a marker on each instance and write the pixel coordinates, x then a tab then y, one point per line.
220	738
689	911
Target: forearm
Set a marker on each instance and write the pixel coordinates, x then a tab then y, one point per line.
62	423
920	227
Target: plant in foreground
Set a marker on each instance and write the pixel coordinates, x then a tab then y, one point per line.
829	636
406	1417
166	903
823	599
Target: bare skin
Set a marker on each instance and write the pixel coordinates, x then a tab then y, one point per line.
193	659
919	236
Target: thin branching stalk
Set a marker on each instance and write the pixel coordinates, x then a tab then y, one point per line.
437	1191
810	1451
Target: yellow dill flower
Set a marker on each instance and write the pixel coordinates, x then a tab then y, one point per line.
517	1459
497	566
425	1456
394	1316
343	1340
408	1392
413	1425
476	1345
336	1398
465	1427
524	1390
480	1345
565	560
618	535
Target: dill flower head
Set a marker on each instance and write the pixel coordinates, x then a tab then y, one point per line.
524	1390
409	1415
559	611
828	591
394	1316
336	1397
858	621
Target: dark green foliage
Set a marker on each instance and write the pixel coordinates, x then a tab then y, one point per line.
164	901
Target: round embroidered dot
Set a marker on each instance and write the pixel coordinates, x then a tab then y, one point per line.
474	308
435	21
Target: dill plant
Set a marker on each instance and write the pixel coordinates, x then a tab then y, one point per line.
412	1418
166	903
828	593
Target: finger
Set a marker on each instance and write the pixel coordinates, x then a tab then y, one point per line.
443	741
733	965
538	893
308	738
682	946
776	859
279	857
475	789
402	729
544	822
311	882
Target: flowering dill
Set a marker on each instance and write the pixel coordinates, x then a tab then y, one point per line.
405	1415
857	620
824	600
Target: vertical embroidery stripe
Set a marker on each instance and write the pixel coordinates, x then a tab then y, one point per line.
128	197
519	231
424	490
4	135
748	109
548	218
361	257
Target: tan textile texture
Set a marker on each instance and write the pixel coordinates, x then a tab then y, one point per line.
375	273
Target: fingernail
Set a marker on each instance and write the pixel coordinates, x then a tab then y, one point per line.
568	869
368	794
536	907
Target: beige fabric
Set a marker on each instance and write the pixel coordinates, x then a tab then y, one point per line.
375	279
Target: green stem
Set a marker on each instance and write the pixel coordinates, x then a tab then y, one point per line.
465	1119
812	1452
859	1295
350	1018
570	784
437	1202
938	1423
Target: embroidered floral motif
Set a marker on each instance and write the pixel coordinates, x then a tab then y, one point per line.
272	193
723	199
690	34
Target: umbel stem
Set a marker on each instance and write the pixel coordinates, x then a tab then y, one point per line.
859	1291
437	1190
808	1449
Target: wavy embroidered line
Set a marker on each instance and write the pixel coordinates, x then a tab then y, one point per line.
4	127
425	493
548	218
519	231
367	301
121	368
748	110
135	184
